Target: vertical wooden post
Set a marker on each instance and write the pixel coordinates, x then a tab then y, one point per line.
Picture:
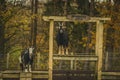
96	50
97	37
7	64
51	49
1	76
75	65
72	64
38	61
106	61
99	48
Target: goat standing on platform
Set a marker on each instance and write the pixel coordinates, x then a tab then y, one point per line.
62	41
26	59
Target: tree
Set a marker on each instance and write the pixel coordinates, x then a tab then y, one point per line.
2	26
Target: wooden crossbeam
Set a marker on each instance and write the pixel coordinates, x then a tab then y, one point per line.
111	75
64	18
76	57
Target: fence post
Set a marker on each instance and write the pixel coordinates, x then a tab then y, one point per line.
99	48
51	48
1	76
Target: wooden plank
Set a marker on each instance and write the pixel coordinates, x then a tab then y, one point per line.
40	72
110	78
24	75
10	75
76	57
17	72
11	72
36	76
44	74
64	18
111	73
39	76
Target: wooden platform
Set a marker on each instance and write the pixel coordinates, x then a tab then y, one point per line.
75	57
43	75
19	74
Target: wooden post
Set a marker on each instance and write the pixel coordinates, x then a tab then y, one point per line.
75	65
96	50
99	48
72	64
38	61
106	61
1	76
51	49
7	63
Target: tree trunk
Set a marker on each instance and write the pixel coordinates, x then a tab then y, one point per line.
35	31
2	28
2	34
88	50
31	31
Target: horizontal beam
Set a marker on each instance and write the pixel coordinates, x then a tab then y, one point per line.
17	74
40	76
76	57
111	75
64	18
11	75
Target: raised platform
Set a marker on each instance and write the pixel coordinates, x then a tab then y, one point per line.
43	75
19	74
75	57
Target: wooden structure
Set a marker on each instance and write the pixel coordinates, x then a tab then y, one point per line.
75	57
24	75
43	75
97	58
71	18
73	75
110	75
